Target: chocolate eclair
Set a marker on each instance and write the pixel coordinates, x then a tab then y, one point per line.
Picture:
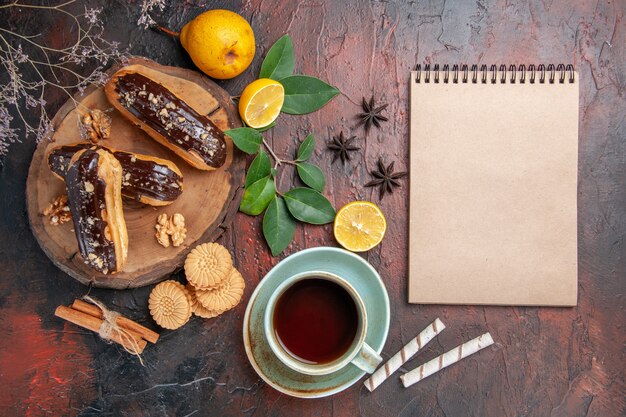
94	184
167	118
147	179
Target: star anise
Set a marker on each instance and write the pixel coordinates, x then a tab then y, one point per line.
342	147
384	178
371	114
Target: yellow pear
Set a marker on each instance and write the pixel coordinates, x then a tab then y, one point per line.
220	43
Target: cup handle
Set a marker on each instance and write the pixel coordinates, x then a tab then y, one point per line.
367	359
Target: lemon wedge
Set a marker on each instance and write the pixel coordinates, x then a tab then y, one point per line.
359	226
260	102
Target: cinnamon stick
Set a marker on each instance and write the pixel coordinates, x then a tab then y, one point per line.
92	310
92	323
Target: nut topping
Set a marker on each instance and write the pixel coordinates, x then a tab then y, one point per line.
89	187
58	211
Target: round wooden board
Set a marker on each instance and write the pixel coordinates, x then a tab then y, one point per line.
208	203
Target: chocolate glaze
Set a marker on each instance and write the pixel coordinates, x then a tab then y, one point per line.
171	117
145	178
59	158
140	177
85	194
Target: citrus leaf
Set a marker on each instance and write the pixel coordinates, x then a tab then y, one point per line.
305	94
259	168
306	148
274	172
308	205
278	62
246	139
312	176
257	196
278	226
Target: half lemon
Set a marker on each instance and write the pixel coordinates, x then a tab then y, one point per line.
260	102
359	226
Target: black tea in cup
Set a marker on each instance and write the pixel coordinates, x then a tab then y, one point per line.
315	320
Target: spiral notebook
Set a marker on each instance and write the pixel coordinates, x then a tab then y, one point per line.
493	179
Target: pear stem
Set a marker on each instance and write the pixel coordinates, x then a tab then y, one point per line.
165	30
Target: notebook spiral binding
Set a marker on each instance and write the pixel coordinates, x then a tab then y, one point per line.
514	73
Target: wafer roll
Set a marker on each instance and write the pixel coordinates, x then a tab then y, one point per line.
405	354
447	359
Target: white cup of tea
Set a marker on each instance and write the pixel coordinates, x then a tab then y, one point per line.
316	322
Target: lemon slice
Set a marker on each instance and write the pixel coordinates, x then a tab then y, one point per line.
260	102
359	226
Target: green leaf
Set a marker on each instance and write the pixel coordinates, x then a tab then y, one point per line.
278	226
259	168
268	127
306	148
312	176
309	206
246	139
278	62
257	196
305	94
274	172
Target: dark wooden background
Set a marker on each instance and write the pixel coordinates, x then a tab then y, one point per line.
546	361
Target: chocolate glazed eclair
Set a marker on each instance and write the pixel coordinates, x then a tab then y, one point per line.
145	178
94	183
166	118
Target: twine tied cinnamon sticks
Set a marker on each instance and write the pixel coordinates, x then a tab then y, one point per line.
110	325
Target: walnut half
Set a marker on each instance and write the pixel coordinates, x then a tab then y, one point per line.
58	211
95	125
170	229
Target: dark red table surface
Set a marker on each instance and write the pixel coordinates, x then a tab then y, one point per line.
546	361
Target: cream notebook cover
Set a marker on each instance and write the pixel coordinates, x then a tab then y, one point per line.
493	186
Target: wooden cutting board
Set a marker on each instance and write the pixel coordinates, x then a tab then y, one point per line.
208	203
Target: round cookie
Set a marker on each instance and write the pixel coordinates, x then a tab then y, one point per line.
207	265
170	305
197	308
224	297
